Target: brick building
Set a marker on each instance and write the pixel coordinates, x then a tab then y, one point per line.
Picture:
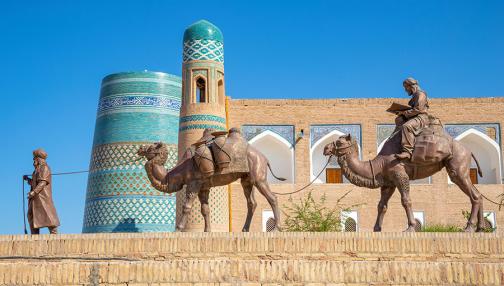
292	134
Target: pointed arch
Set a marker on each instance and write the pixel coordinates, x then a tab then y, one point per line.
200	87
317	158
488	153
280	154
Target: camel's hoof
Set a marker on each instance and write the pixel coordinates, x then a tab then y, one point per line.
377	229
410	229
245	230
470	228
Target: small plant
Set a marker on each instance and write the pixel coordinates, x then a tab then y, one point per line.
310	215
441	228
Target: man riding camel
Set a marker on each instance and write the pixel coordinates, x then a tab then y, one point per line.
414	119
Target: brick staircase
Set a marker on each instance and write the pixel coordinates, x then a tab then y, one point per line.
253	258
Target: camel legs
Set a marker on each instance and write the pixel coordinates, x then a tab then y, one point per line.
459	174
205	208
401	180
248	190
190	196
386	193
264	189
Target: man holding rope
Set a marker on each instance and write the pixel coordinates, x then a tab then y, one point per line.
41	210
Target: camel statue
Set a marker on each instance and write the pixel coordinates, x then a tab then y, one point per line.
189	173
387	172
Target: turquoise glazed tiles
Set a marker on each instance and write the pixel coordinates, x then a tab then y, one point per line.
203	29
203	41
134	109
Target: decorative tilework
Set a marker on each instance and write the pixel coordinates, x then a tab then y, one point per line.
142	126
456	129
203	50
130	214
203	29
134	109
319	131
285	131
203	117
383	132
141	75
139	87
123	157
202	127
118	103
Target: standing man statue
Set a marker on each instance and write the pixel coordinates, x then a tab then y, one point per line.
413	119
41	211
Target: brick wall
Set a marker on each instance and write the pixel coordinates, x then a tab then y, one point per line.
255	258
441	202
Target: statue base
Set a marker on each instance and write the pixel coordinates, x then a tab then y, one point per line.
235	258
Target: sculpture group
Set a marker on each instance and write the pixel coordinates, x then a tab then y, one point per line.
397	163
215	160
418	148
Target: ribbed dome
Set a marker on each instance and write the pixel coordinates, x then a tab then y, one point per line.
203	30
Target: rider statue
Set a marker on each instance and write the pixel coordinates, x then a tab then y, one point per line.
413	119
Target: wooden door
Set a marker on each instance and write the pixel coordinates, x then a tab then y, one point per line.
334	176
473	174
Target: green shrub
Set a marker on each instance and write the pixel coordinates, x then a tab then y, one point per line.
309	215
441	228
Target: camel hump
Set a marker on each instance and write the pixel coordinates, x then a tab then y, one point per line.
432	146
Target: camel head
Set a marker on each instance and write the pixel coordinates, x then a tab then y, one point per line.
157	153
342	145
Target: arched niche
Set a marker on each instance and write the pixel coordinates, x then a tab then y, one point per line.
487	151
280	154
317	158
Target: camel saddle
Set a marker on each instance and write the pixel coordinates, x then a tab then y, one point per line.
432	144
221	155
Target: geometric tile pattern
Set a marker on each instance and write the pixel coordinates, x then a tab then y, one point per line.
203	49
319	131
202	117
383	131
456	129
218	202
117	103
202	127
135	109
122	214
285	131
123	156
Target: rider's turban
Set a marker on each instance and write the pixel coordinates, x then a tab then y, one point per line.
40	153
410	81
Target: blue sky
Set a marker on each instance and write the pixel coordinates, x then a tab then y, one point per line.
53	55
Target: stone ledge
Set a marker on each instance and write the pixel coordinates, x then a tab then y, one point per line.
240	271
259	258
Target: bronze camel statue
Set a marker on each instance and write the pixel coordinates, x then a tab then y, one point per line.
198	184
388	173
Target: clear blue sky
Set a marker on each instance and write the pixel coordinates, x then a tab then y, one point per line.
53	55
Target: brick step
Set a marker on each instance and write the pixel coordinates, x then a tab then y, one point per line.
341	246
260	258
235	271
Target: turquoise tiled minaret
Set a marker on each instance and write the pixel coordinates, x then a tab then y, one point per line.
203	106
135	108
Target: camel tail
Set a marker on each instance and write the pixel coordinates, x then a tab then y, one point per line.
480	173
271	171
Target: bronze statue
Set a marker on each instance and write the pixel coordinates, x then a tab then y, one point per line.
412	119
434	149
215	160
41	210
